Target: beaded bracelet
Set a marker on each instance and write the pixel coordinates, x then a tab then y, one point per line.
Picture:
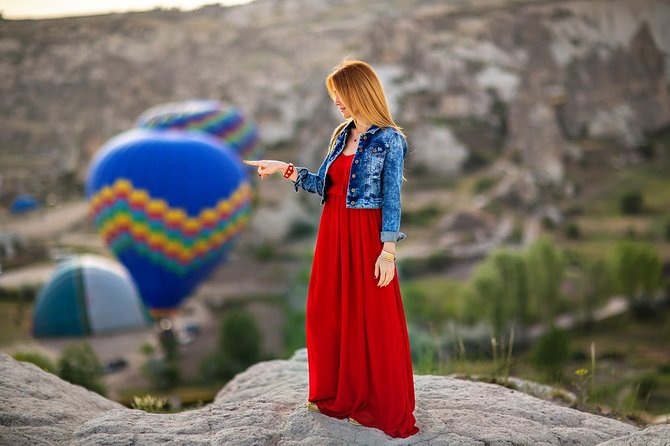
289	170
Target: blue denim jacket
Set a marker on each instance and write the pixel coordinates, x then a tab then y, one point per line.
375	178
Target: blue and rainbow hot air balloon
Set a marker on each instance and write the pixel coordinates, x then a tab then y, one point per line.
170	205
88	295
224	122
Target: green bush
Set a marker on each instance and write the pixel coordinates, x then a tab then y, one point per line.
161	373
265	252
645	385
294	330
421	217
38	359
300	229
545	268
631	202
548	223
572	231
639	271
240	337
483	184
418	266
239	347
80	365
551	352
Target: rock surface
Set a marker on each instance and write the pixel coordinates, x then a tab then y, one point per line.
37	407
265	405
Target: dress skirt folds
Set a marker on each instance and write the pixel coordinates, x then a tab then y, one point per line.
358	348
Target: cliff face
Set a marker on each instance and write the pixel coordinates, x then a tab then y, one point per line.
265	405
530	75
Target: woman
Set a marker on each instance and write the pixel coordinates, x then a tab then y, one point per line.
358	350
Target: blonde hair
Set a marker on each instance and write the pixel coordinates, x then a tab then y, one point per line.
361	91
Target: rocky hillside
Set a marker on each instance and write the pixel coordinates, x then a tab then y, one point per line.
471	81
265	405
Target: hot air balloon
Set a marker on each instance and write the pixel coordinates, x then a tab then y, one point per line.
224	122
170	205
88	295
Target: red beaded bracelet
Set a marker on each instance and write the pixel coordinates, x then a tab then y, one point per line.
289	170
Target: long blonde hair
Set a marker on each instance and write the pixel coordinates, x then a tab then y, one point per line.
361	91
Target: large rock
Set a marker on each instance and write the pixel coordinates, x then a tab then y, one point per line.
37	407
265	405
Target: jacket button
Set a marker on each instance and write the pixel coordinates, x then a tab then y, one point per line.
356	161
353	175
360	150
365	136
353	189
353	201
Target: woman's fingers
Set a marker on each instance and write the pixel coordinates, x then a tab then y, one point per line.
385	275
251	162
388	274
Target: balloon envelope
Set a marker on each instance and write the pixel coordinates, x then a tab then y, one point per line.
170	205
224	122
88	295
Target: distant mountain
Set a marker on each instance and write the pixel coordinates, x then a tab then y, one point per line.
471	81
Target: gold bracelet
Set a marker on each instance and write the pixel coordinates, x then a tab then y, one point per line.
390	258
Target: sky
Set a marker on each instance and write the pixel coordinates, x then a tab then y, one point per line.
38	9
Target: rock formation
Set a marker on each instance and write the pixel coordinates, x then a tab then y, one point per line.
529	75
265	405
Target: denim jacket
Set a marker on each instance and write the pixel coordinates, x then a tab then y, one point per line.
375	178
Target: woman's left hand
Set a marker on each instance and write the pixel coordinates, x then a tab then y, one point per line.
385	270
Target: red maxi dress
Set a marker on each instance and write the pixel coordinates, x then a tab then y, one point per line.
358	348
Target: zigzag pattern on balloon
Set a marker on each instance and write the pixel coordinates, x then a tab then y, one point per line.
228	125
127	217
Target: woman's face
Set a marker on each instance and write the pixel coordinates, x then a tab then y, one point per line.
343	109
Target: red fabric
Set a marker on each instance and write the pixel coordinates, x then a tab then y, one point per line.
358	349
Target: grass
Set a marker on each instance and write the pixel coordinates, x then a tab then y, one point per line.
630	358
190	397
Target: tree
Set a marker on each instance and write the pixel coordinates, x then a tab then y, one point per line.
512	270
598	286
545	265
638	269
239	347
80	365
489	295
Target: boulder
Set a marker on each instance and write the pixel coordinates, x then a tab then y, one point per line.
265	405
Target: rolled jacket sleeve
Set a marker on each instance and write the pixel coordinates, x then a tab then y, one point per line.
308	181
391	185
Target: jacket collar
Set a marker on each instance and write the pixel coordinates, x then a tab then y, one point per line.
372	129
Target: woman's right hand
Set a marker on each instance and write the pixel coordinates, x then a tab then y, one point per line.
267	167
